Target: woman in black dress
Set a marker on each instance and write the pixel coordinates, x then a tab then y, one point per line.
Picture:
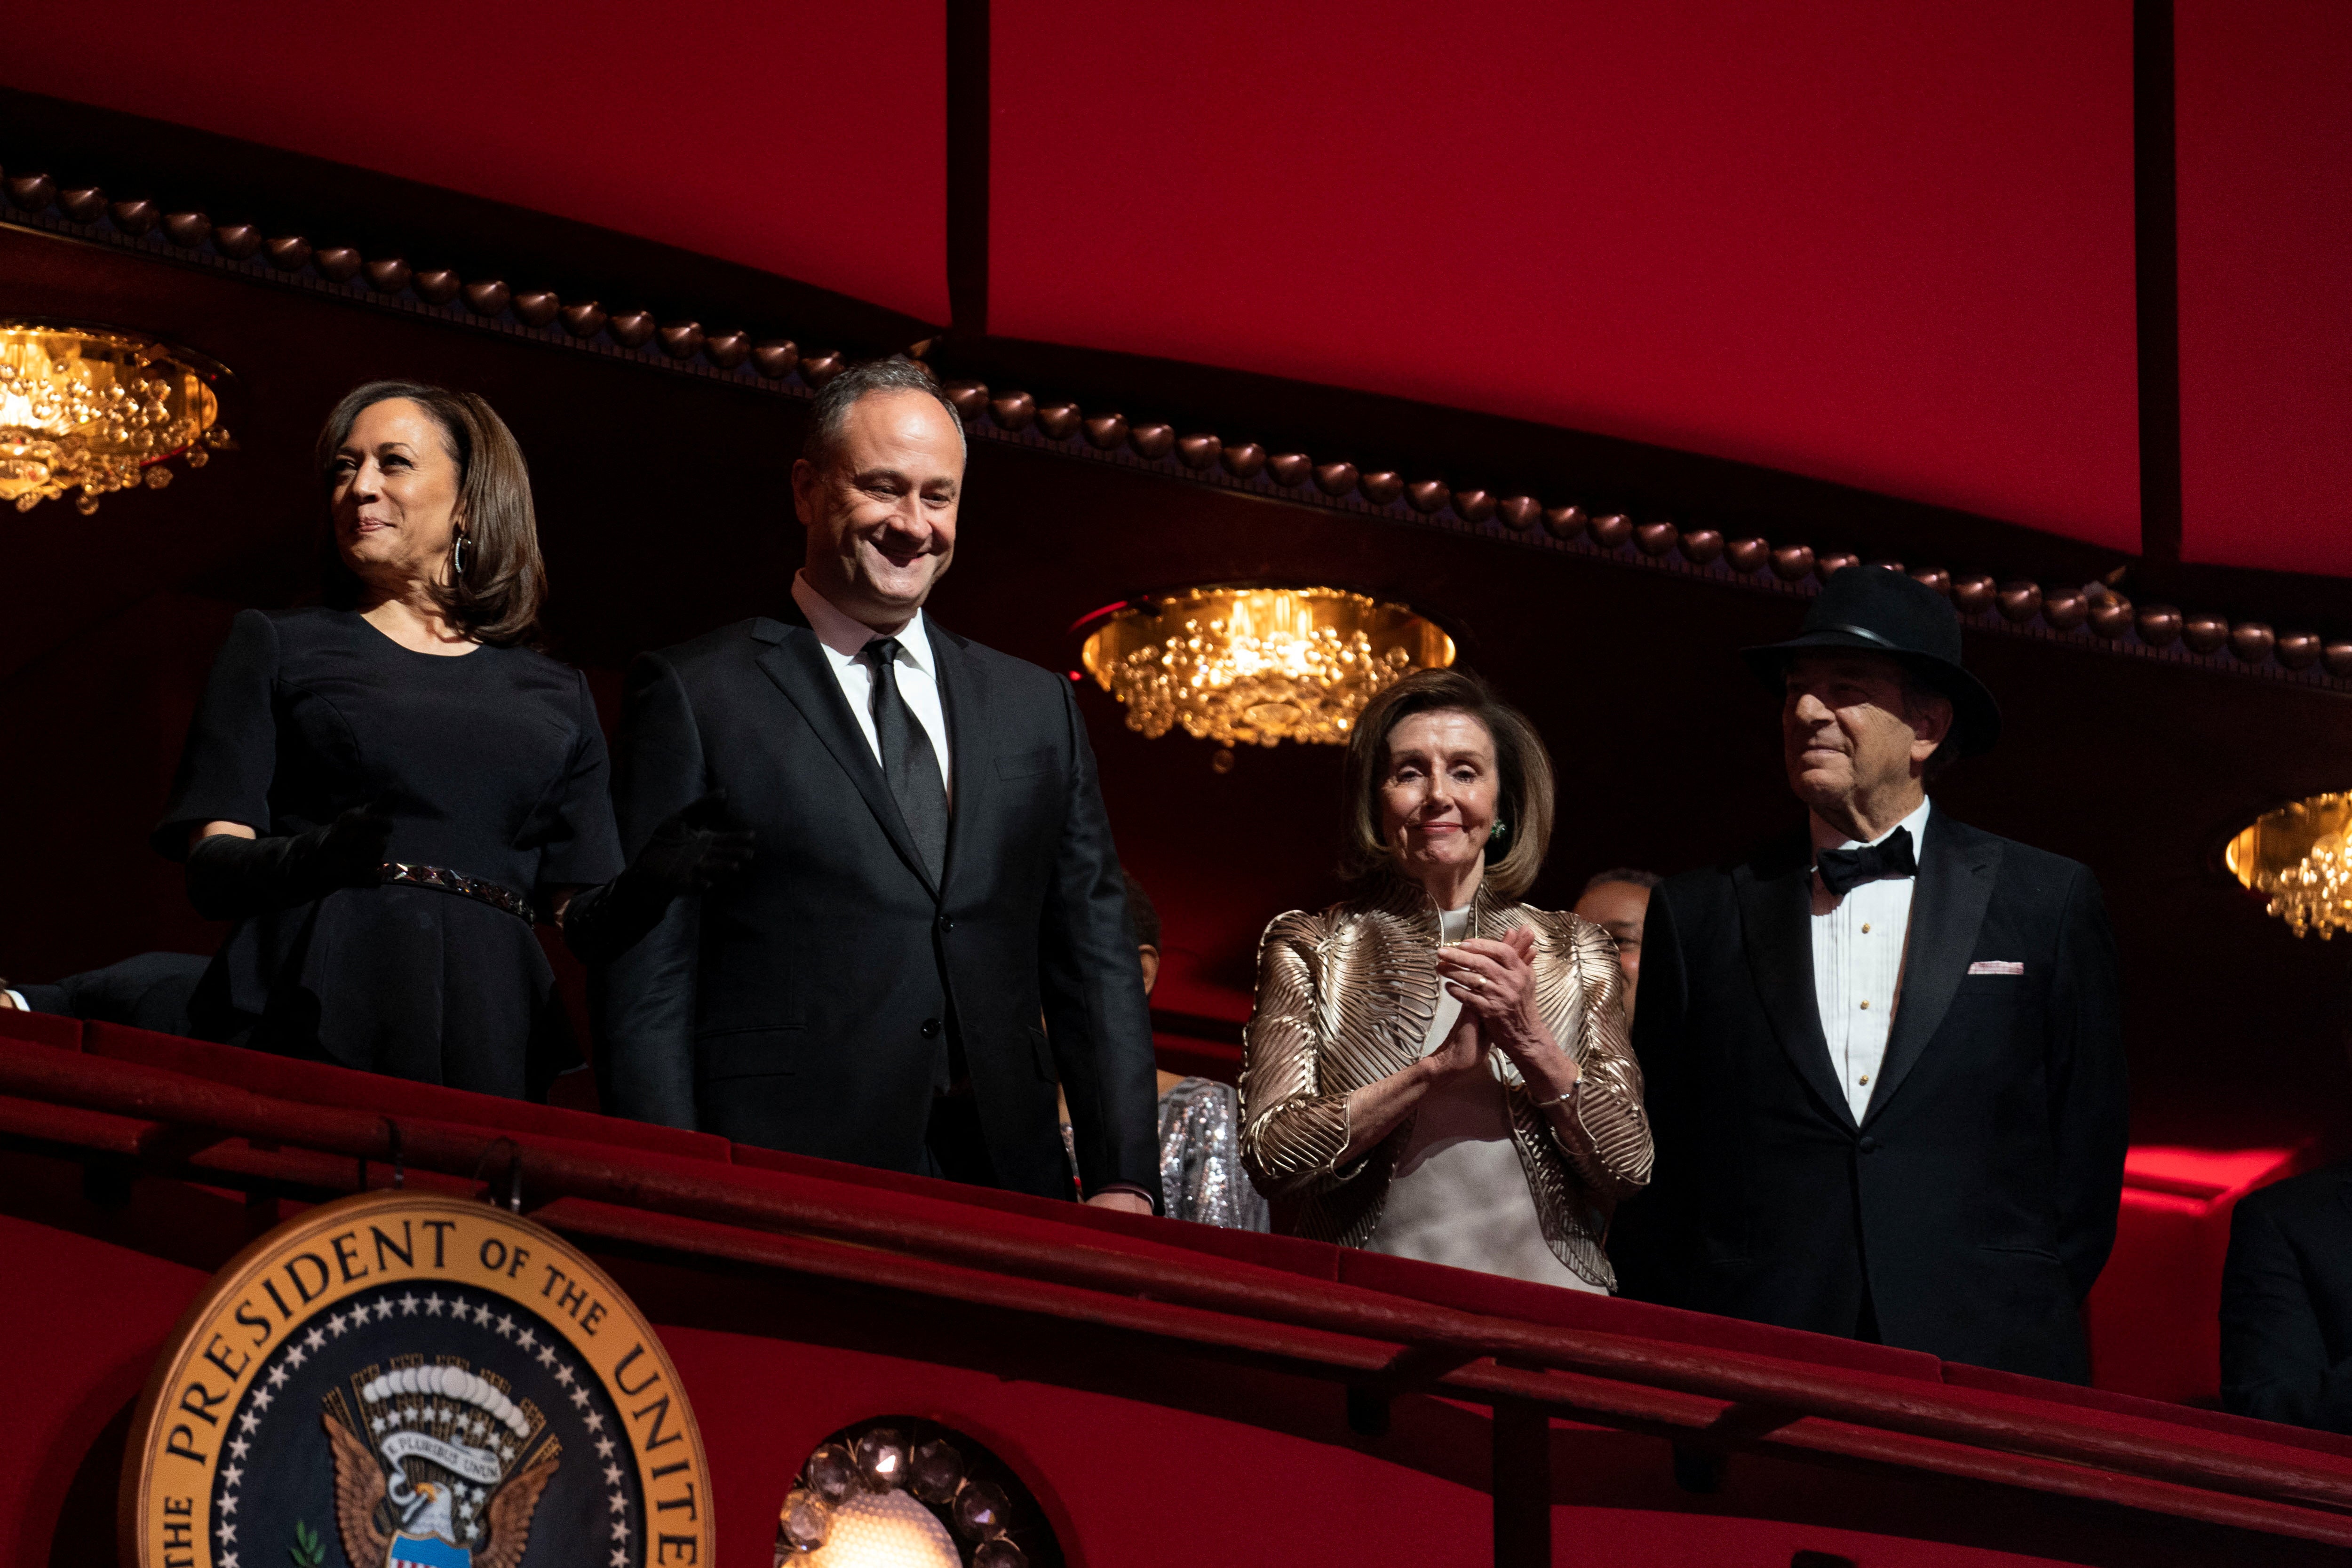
385	791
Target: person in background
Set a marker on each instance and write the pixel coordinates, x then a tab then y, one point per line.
935	867
1434	1069
2286	1295
1884	1054
1618	901
1143	919
384	792
1200	1174
2286	1302
149	991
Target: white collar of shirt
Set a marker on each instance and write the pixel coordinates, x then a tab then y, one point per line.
845	636
1828	838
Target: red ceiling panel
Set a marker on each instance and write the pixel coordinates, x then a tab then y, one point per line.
1886	245
804	138
2265	119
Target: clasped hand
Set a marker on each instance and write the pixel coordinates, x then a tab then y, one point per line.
1495	984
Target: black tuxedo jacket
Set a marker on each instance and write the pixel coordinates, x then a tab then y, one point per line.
1975	1203
808	1004
2286	1302
149	991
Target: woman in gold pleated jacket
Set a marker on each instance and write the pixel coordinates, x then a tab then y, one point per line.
1436	1070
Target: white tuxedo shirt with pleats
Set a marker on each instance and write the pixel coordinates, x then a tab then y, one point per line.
1858	960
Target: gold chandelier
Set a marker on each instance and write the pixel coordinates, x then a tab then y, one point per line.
2298	857
98	410
1258	665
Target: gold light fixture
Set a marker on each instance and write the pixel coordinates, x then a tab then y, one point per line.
1258	665
884	1495
2298	857
98	410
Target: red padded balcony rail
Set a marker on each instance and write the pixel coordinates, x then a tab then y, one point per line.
943	1248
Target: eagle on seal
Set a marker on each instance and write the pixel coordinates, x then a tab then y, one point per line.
420	1529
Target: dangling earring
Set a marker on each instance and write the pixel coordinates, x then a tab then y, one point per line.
1498	840
457	555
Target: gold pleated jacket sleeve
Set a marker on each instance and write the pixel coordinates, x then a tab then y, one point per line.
1345	998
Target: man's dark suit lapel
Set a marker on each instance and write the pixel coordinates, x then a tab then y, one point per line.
794	660
1775	892
1948	908
961	700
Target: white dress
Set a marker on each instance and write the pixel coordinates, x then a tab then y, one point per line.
1459	1195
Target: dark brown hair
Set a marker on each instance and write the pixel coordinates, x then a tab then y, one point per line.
1141	912
1522	766
496	599
830	412
1631	875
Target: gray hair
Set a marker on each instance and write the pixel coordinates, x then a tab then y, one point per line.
839	395
1918	693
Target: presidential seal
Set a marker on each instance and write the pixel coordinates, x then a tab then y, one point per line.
408	1380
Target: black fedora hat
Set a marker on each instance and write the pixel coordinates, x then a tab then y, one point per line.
1875	609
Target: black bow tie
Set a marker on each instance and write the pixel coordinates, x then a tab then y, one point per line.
1843	870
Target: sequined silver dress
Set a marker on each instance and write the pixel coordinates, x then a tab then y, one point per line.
1200	1174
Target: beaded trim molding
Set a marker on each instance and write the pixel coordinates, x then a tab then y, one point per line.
2093	617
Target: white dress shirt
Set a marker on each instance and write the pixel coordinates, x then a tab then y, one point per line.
844	638
1858	960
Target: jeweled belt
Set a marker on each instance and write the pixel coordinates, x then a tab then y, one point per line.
443	879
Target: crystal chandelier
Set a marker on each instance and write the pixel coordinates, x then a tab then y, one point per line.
98	410
2299	858
1258	665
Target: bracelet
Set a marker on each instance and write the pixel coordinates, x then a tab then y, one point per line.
1559	1098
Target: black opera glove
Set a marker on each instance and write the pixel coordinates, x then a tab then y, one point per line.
690	852
230	878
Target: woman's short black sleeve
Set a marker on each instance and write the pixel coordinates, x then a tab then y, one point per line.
232	748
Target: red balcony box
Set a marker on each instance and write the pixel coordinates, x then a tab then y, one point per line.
2155	1315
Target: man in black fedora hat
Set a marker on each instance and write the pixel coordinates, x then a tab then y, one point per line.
1883	1057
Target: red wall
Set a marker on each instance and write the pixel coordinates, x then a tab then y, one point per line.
1884	245
1888	246
2265	138
804	138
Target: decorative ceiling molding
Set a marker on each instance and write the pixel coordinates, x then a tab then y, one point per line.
288	260
2091	615
2094	615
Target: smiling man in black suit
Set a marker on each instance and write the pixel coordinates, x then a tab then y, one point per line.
1883	1057
933	870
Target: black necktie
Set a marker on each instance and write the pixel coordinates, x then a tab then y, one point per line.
908	762
1843	870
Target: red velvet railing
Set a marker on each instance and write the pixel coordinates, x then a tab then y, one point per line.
650	1188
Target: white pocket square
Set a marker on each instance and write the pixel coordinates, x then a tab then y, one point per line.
1996	966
